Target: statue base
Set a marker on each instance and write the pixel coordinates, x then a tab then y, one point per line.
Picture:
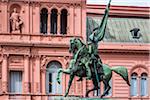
75	98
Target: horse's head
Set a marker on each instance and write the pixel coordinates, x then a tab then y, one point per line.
75	44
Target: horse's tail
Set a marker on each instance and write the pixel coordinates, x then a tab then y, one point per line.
122	71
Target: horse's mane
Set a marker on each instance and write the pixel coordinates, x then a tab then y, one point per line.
81	41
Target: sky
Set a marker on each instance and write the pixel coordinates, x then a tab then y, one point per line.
122	2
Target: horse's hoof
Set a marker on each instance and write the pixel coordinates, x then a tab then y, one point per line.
102	96
58	81
65	95
86	95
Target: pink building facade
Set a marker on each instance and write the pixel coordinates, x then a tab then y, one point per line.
34	42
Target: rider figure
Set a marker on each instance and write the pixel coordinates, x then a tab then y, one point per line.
93	51
94	58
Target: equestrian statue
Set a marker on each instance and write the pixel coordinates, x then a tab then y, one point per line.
86	61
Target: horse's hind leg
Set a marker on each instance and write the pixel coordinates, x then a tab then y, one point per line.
69	85
106	83
95	88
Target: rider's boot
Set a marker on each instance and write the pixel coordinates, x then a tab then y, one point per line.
88	72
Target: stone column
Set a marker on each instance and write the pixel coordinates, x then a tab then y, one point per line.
68	23
26	74
83	23
43	75
71	19
37	75
36	19
27	18
58	22
78	20
84	87
48	22
5	19
5	74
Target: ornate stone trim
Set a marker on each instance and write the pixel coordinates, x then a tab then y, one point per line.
37	87
26	87
4	87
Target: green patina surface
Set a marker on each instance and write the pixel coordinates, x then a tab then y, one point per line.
86	61
76	98
118	29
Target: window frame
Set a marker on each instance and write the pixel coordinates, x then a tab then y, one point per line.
12	91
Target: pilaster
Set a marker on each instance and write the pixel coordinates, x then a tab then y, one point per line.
71	19
27	18
78	20
68	23
4	18
26	74
58	22
37	75
48	22
43	83
5	74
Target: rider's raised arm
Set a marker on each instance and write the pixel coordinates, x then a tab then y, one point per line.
100	31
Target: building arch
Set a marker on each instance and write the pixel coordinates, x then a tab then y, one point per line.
54	7
44	6
64	7
139	69
52	86
43	20
14	5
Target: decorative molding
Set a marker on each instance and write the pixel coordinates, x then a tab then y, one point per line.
5	87
37	87
26	87
43	63
16	50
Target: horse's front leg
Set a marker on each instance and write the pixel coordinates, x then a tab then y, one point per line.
106	83
96	87
70	82
67	71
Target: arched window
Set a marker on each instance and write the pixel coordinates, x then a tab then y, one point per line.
54	21
43	20
63	21
144	84
134	85
51	74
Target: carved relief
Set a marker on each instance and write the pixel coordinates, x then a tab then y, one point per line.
16	62
4	87
37	87
26	87
43	63
15	19
16	50
16	59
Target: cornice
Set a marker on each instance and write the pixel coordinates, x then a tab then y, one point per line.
123	11
125	52
49	1
124	48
